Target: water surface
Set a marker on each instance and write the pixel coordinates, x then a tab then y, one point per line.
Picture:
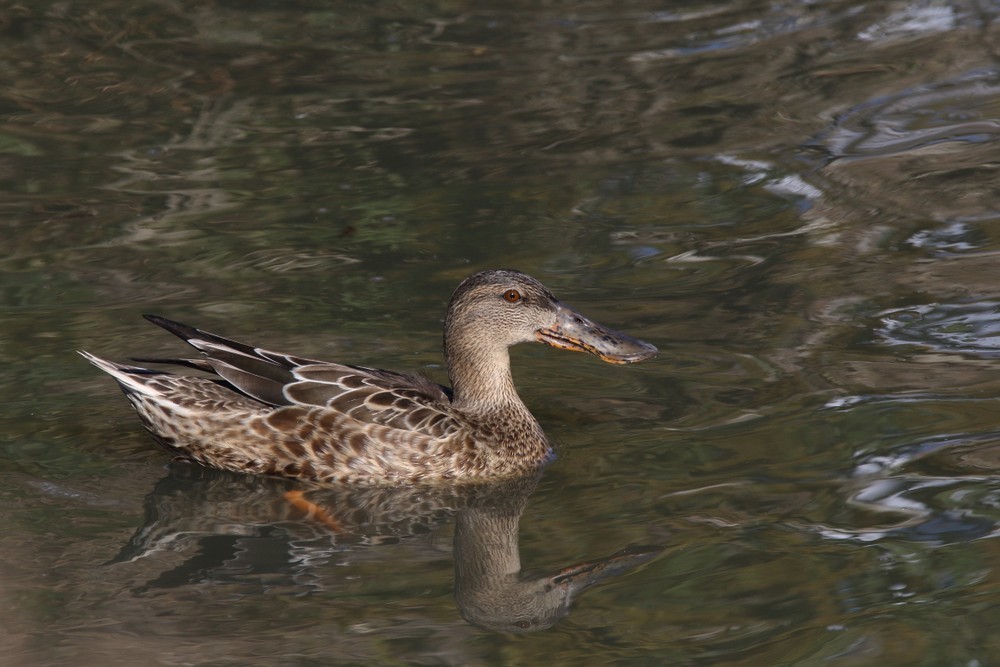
797	202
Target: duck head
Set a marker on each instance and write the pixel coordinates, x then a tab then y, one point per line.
507	307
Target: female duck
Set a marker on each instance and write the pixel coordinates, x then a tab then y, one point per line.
267	412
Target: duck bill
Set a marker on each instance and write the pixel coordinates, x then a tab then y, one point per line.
573	331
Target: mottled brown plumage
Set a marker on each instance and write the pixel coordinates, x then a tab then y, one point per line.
273	413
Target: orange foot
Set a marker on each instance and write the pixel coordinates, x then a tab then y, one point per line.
313	511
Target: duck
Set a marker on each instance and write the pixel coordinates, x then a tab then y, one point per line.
251	410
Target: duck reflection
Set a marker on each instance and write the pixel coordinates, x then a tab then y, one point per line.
232	527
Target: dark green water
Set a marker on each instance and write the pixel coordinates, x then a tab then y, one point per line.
797	202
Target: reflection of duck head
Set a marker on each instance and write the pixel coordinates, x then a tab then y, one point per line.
491	591
230	527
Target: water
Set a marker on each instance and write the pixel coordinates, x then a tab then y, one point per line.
797	202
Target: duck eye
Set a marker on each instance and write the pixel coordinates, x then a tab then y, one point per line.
512	296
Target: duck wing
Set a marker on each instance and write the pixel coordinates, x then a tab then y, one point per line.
368	395
371	395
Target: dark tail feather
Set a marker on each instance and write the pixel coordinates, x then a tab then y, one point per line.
186	333
197	364
243	367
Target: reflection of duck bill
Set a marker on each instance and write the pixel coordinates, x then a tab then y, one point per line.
584	575
572	331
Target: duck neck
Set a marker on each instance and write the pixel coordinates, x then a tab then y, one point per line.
481	379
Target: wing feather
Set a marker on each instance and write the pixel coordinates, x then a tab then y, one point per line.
264	389
369	395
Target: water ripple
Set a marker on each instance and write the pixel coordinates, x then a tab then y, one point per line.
960	109
952	238
971	328
933	490
912	20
